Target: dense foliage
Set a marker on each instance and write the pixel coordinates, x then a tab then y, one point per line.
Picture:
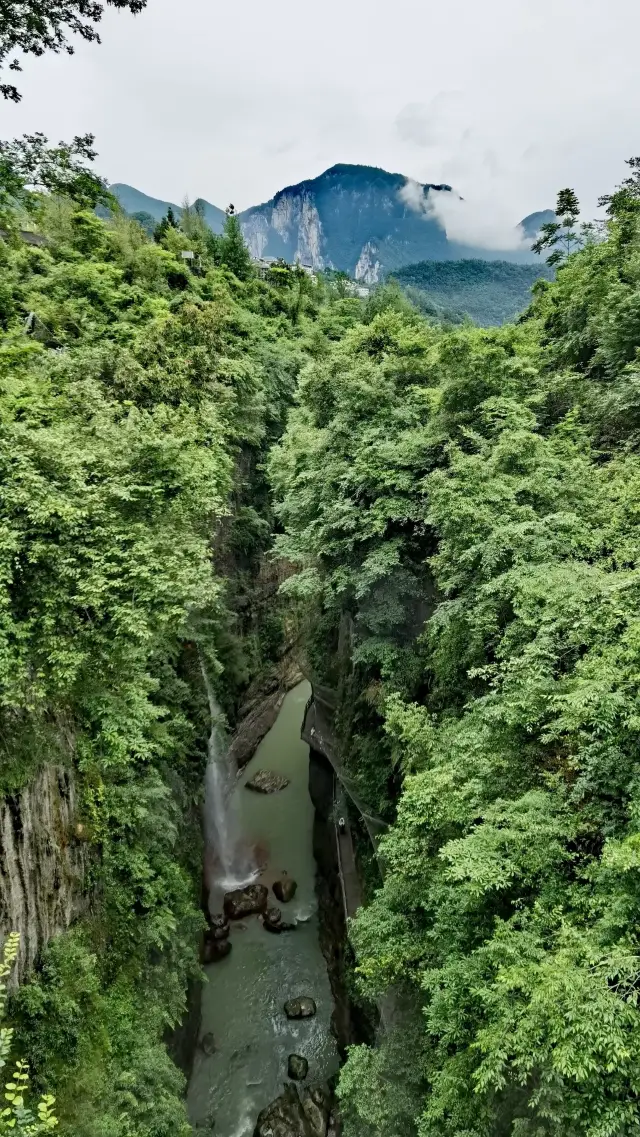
139	392
489	292
462	509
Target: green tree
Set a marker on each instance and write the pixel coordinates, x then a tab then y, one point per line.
169	221
37	26
29	166
233	250
561	235
459	507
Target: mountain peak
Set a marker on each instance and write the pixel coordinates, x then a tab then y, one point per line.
350	217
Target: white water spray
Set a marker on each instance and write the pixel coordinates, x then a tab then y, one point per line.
235	865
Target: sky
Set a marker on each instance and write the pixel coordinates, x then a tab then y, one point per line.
506	100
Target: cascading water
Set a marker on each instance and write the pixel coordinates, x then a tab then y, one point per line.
230	863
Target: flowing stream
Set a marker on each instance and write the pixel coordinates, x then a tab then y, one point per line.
243	997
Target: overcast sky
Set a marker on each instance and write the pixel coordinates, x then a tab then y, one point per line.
508	100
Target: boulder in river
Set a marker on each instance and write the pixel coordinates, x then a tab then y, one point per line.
297	1067
218	928
246	901
303	1007
288	1116
316	1103
207	1044
285	890
272	919
215	950
267	782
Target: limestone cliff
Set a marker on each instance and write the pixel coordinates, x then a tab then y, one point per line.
42	862
352	218
368	267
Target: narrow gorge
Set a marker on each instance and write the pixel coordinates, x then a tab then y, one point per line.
248	1046
408	907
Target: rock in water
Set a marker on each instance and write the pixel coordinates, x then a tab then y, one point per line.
272	919
215	950
285	890
315	1104
267	782
247	901
218	928
297	1067
301	1008
207	1044
335	1125
286	1117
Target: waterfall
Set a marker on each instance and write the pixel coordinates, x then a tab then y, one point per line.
234	863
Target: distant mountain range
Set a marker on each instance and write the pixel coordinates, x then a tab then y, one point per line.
353	218
134	201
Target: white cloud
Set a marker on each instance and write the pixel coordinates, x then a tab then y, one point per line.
481	222
413	196
475	95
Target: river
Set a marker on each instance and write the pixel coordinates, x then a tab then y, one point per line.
243	997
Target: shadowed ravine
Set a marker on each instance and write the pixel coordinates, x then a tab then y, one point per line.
242	1002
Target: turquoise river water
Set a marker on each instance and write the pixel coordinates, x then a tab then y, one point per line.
243	997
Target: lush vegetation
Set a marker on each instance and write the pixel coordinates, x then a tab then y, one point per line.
489	292
461	505
139	394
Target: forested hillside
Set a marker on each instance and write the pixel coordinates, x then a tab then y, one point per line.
462	509
489	292
139	395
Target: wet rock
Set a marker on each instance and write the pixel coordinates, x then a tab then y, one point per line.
315	1104
297	1067
246	901
285	890
285	1117
215	950
301	1008
272	919
335	1125
218	928
207	1044
267	782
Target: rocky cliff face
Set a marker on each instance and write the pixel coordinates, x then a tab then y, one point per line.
358	219
368	267
341	220
42	862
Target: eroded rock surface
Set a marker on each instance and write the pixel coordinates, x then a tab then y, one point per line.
247	901
267	782
292	1115
297	1067
303	1007
218	928
43	859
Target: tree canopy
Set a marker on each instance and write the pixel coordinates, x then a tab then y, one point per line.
461	508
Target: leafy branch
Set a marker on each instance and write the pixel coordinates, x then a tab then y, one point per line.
17	1117
36	26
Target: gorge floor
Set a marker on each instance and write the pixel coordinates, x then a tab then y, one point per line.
244	995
